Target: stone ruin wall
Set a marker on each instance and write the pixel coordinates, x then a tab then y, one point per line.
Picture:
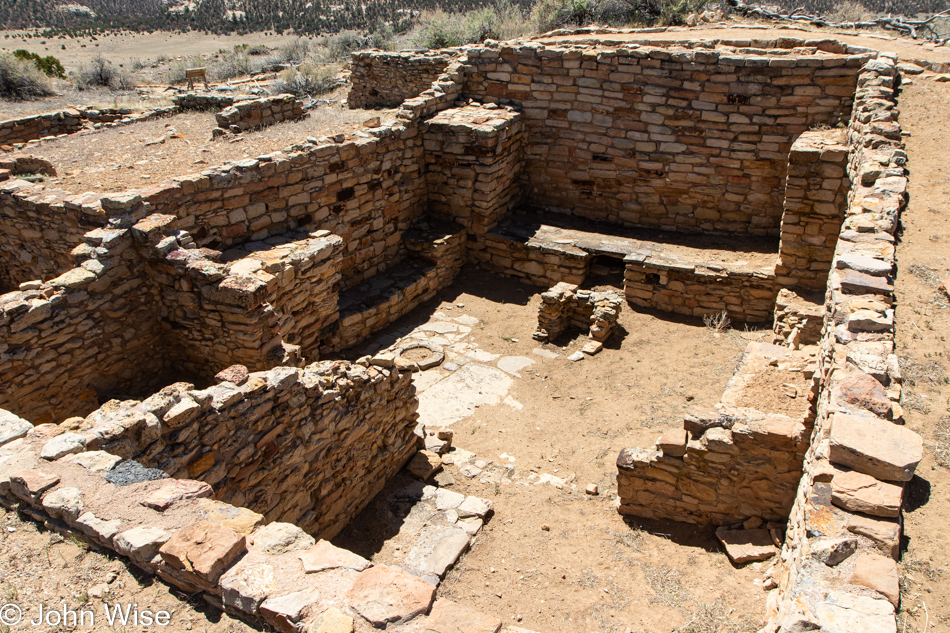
682	141
381	79
257	113
860	379
70	121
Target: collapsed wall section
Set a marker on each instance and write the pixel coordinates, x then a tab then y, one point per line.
678	140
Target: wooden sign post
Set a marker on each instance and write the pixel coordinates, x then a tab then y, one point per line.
193	74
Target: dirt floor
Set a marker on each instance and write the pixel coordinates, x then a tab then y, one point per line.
923	345
137	155
38	566
555	559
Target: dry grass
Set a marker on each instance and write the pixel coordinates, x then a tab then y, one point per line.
919	373
715	618
942	445
718	324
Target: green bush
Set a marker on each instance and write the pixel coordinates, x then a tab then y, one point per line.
439	29
22	80
548	15
49	65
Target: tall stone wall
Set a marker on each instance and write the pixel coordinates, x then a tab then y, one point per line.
40	228
860	456
816	194
83	335
307	446
473	161
388	79
677	140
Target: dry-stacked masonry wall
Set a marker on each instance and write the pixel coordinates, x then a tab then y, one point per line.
388	79
40	228
258	113
816	192
678	140
307	446
40	125
860	456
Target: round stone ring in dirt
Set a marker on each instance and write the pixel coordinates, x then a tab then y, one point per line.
419	356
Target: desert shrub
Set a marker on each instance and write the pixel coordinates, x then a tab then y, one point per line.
308	80
49	65
100	73
342	44
175	74
439	29
22	80
230	65
257	50
548	15
849	11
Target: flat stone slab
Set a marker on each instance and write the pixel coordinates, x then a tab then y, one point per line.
543	353
878	573
12	427
96	461
673	442
875	447
848	613
62	445
281	538
384	594
746	546
436	549
174	490
456	397
240	520
205	549
449	617
514	364
325	555
885	534
858	492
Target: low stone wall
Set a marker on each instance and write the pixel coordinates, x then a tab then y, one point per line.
275	575
544	266
258	113
40	125
387	79
860	456
698	289
473	161
727	464
196	101
816	194
564	306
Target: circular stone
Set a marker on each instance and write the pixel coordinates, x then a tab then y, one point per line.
418	356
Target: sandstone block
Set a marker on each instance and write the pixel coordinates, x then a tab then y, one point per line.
30	485
384	594
673	442
62	445
449	617
205	549
103	531
96	461
845	613
831	551
885	534
285	612
141	543
324	555
173	490
331	621
245	587
424	464
862	493
12	427
64	503
746	546
281	538
878	573
875	447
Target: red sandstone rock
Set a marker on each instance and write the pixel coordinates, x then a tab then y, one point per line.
424	464
862	493
673	442
449	617
386	594
879	573
875	447
885	534
235	373
203	548
324	556
30	485
865	392
173	490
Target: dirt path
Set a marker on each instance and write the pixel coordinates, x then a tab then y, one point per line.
923	345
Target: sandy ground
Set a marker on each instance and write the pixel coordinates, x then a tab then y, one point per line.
589	570
923	345
138	155
906	49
